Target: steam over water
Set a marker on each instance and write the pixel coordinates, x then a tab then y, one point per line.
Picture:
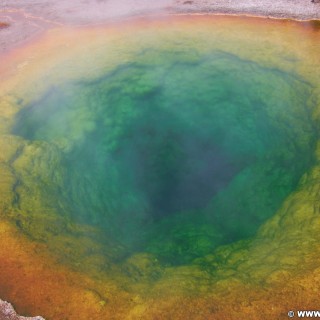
174	155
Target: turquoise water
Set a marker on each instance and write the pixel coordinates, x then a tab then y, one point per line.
176	153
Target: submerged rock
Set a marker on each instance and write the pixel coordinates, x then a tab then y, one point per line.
8	313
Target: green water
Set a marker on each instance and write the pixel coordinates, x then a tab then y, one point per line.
175	153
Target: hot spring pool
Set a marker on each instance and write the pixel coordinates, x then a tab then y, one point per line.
173	157
176	156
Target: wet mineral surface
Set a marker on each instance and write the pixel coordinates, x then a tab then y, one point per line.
172	173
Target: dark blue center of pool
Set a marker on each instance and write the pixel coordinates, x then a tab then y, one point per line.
175	156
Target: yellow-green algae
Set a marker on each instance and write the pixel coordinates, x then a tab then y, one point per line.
283	249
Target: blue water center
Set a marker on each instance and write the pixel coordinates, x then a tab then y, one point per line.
174	155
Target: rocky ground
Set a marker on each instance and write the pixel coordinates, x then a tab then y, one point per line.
7	313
